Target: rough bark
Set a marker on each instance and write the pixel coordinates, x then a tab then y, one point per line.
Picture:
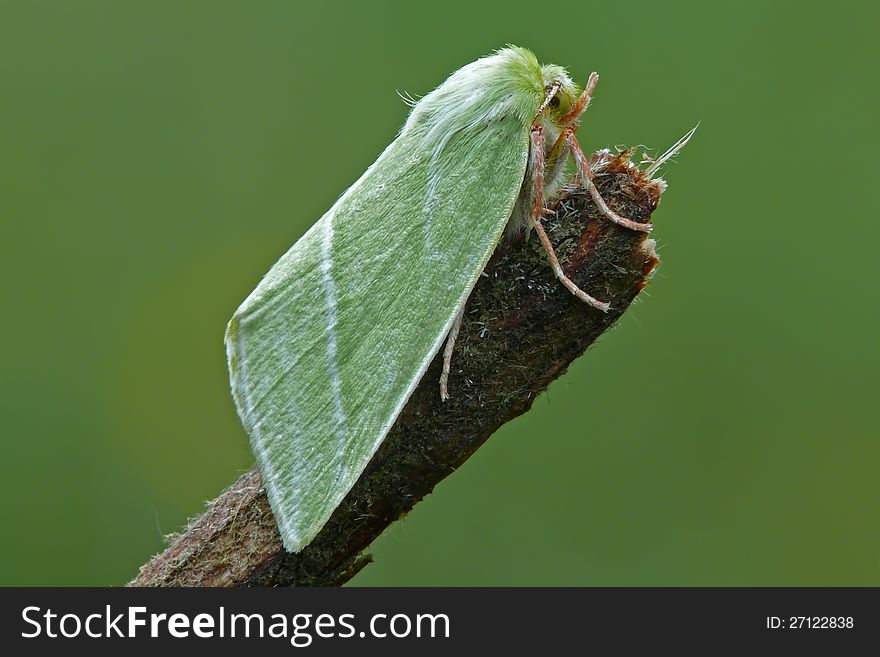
521	331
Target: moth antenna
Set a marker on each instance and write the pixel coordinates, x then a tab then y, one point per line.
554	89
672	152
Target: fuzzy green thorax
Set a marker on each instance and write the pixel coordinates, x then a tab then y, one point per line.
509	84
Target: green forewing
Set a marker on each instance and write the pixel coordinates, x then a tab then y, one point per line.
327	349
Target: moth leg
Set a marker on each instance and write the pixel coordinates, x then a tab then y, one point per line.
447	354
538	210
586	175
573	118
567	139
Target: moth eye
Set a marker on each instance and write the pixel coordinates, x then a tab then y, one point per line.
554	102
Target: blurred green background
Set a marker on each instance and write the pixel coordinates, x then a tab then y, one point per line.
157	157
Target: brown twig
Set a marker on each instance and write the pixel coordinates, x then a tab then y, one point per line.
521	331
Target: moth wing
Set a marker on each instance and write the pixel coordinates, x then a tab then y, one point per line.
327	349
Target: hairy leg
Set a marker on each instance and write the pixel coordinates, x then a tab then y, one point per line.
538	210
447	355
586	175
567	141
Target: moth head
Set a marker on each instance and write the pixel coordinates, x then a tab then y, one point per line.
564	92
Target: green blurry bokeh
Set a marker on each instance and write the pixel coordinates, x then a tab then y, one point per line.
157	157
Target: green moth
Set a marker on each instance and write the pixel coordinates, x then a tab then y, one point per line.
327	349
